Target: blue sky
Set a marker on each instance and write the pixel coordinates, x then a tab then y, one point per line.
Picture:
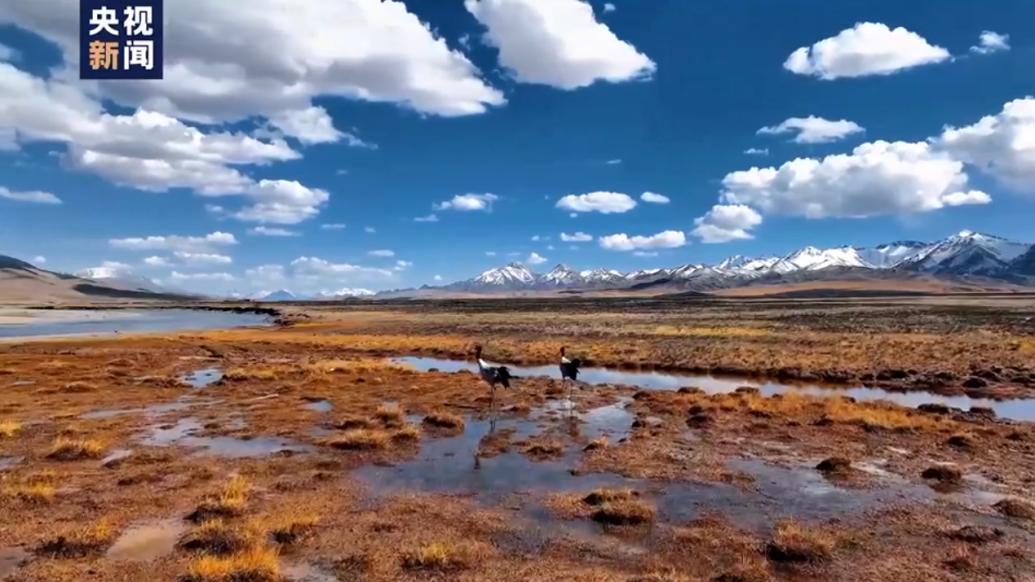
320	118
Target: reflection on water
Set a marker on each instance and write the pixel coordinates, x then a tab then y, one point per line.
9	462
182	433
106	322
203	377
319	406
146	541
11	559
1021	409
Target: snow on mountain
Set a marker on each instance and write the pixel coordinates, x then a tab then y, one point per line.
812	259
561	276
513	275
344	293
889	255
278	295
968	253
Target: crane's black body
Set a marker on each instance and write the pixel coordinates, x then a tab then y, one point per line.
569	368
492	374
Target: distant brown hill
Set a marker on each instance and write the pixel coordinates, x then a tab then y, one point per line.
24	283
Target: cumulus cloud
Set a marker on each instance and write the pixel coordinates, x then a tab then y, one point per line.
283	54
1001	145
311	125
558	43
175	242
402	265
34	196
266	273
317	267
991	42
654	198
868	48
272	231
609	7
669	239
428	218
39	260
726	222
7	53
201	258
382	253
536	259
603	202
577	237
282	202
468	203
156	261
201	277
106	270
813	129
878	178
757	151
332	226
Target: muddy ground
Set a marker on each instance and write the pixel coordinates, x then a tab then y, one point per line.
302	452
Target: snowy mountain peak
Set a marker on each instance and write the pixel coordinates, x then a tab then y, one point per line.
562	275
512	274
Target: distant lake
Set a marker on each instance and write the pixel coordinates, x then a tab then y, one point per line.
71	322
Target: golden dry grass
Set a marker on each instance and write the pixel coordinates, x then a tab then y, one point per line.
406	433
74	449
360	439
82	541
34	490
219	537
288	528
796	542
390	415
9	428
445	420
229	501
257	564
443	556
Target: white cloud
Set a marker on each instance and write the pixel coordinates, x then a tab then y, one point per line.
39	260
724	223
757	151
654	198
35	196
333	226
878	178
282	202
201	277
283	54
314	267
437	278
603	202
868	48
490	253
536	259
106	270
272	231
156	261
614	162
577	237
402	265
645	254
558	43
991	42
369	229
669	239
201	258
814	129
175	242
429	218
1002	145
310	125
8	54
468	203
382	253
609	7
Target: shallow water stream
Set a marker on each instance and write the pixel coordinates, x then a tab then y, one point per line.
1019	409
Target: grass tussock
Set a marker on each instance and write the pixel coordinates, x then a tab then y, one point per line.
1016	508
221	538
74	449
443	556
84	541
245	374
360	439
258	564
390	416
36	489
290	528
229	501
444	420
353	422
618	507
596	444
9	428
796	542
406	433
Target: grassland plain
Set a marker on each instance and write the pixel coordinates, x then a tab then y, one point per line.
315	455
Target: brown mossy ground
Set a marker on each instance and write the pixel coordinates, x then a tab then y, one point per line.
261	515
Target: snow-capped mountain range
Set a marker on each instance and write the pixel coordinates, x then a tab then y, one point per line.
967	253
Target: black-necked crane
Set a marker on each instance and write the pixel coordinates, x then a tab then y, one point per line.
569	372
492	374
